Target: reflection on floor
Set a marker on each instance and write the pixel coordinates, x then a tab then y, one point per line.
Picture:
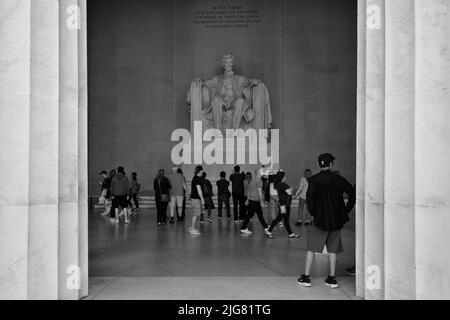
141	261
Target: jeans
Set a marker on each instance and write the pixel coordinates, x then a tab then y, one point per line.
254	207
282	217
161	208
135	200
238	202
223	199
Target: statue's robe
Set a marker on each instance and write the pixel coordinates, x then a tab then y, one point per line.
251	104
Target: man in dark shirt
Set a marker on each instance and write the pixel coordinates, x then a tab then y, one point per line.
237	181
223	194
325	199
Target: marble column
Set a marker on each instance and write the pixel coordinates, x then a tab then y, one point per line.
399	151
15	79
43	170
361	150
432	148
404	129
374	146
43	107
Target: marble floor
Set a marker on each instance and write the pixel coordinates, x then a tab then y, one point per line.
142	261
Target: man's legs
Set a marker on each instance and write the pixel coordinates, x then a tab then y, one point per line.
260	214
220	205
172	204
227	207
235	206
242	208
333	260
309	262
301	207
250	214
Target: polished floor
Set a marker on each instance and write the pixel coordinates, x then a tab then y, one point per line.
142	261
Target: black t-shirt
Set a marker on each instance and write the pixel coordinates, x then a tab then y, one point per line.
284	197
237	180
222	187
197	181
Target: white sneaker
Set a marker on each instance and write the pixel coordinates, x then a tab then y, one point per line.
117	221
266	231
246	231
194	231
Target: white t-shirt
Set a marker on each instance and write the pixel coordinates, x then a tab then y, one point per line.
303	188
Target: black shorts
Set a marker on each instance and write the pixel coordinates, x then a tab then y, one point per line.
317	239
120	202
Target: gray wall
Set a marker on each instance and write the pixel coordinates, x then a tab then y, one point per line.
143	55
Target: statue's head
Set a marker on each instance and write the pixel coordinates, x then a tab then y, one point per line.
228	62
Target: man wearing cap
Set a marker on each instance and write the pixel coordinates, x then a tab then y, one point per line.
325	199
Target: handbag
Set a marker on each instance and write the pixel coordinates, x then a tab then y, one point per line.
164	197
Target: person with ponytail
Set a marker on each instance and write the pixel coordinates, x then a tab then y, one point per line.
284	200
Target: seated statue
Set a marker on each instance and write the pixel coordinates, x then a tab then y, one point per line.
230	101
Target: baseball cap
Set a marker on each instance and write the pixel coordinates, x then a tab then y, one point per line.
326	159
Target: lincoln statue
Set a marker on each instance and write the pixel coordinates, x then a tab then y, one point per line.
230	101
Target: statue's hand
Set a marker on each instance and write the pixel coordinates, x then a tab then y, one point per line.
198	82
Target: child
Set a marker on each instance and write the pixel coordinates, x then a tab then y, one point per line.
104	192
284	200
134	191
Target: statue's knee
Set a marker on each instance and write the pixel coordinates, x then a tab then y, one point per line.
217	101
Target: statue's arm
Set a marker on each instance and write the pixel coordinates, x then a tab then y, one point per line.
245	82
211	83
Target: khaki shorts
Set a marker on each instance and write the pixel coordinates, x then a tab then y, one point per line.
176	200
196	207
317	239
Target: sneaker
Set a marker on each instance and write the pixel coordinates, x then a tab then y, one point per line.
351	271
307	222
268	234
127	221
299	224
194	231
331	282
112	220
304	281
209	219
159	224
246	231
294	236
117	221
